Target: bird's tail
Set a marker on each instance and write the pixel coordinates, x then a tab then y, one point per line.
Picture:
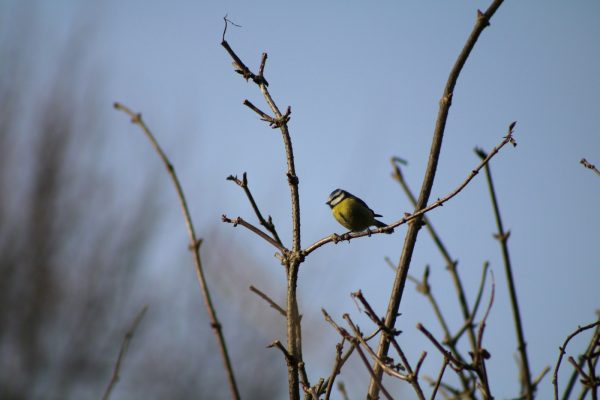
380	224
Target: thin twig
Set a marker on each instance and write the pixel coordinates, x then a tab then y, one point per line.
486	266
124	347
439	378
586	164
483	20
481	354
502	236
591	357
562	351
424	288
268	224
194	247
268	300
452	267
451	264
277	344
541	375
578	368
354	340
340	360
240	221
393	370
455	363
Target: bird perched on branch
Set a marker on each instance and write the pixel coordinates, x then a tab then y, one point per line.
352	212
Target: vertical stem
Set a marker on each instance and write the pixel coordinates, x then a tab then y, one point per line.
503	238
293	337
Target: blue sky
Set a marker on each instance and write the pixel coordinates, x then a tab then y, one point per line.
364	81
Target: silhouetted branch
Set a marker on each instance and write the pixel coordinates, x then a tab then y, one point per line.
451	265
136	118
586	164
340	360
483	20
240	221
439	378
291	259
482	354
527	387
268	300
268	224
455	363
562	353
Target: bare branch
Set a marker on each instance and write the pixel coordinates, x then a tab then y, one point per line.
356	342
277	344
240	221
292	259
267	224
340	360
455	363
502	237
451	266
562	352
439	378
586	164
482	21
194	247
268	300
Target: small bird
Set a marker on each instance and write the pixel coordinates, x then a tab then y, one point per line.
352	212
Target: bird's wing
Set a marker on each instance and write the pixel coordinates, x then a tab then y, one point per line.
365	204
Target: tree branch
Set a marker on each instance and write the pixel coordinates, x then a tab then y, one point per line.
194	247
240	221
527	387
586	164
243	183
411	235
563	350
291	259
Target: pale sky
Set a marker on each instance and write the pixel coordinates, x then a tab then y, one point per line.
364	81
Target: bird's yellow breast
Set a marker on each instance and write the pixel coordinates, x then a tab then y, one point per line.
353	214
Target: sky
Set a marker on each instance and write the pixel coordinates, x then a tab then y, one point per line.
364	81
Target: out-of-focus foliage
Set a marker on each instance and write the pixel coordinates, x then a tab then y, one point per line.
74	252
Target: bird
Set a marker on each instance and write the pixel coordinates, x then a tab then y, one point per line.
353	213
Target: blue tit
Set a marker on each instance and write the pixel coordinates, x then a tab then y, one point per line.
352	212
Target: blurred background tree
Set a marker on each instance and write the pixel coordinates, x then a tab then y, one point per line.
74	249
